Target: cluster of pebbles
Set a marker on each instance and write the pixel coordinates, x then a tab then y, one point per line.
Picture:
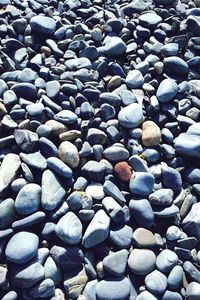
99	150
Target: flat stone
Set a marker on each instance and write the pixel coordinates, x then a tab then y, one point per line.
95	190
193	291
22	247
134	79
130	116
28	199
121	236
191	223
52	271
97	231
175	278
44	289
114	46
74	283
149	19
113	289
8	171
115	263
188	145
142	212
138	265
69	229
143	238
161	197
116	153
66	117
35	160
52	191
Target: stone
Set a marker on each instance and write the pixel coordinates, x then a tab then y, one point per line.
143	238
142	212
161	197
66	117
113	209
121	236
96	136
175	278
59	167
114	46
176	66
52	271
74	283
3	276
169	295
149	19
69	229
138	265
34	160
115	153
44	289
112	190
167	90
22	247
113	289
193	291
93	171
8	171
123	171
188	145
43	25
95	190
52	191
166	260
134	79
156	282
7	213
97	231
115	263
68	153
141	183
146	295
191	223
171	178
28	199
151	134
12	295
130	116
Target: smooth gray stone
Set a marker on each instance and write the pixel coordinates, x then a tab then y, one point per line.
116	153
169	49
93	171
3	276
137	264
136	6
138	164
44	289
17	184
52	271
22	247
114	46
25	90
166	260
113	209
48	148
191	223
146	295
98	230
193	291
171	178
35	160
166	212
161	197
3	87
175	278
187	243
113	289
188	145
131	116
89	291
150	19
12	295
134	79
115	263
112	190
27	75
191	271
5	234
52	89
141	211
169	295
52	191
26	275
176	65
167	90
69	229
68	258
59	167
121	236
31	220
96	136
110	98
7	213
66	117
78	63
141	183
156	282
43	25
28	199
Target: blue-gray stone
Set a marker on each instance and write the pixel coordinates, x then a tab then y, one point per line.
93	171
12	295
156	282
44	289
43	25
59	167
175	278
48	148
26	275
68	257
141	211
3	87
7	213
176	65
167	90
52	191
31	220
69	229
52	89
35	160
66	117
193	291
114	46
130	116
166	212
121	236
169	295
171	178
169	49
25	90
113	209
116	153
22	247
89	290
146	295
110	98
188	145
28	199
136	261
166	260
98	230
112	190
134	79
191	223
26	140
141	183
161	197
113	289
192	273
78	63
52	271
115	263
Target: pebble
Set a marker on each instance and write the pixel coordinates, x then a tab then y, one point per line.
113	289
116	262
142	212
43	25
141	183
167	90
166	260
193	290
143	238
156	282
68	153
22	247
130	116
95	190
136	261
151	134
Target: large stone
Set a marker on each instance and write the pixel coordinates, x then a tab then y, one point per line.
74	283
97	231
22	247
26	140
130	116
156	282
7	213
167	90
113	289
141	183
68	153
8	171
138	264
43	25
188	145
115	263
191	223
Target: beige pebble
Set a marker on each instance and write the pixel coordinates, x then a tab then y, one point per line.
143	238
70	135
68	153
151	134
114	83
158	67
57	127
3	109
148	88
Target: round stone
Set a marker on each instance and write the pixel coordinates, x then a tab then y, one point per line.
68	153
138	264
43	25
113	289
143	238
123	171
134	79
95	190
156	282
22	247
167	90
151	134
130	116
166	260
141	183
193	291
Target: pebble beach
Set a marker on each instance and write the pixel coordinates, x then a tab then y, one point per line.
99	150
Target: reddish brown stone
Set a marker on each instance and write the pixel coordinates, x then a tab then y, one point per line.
123	171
